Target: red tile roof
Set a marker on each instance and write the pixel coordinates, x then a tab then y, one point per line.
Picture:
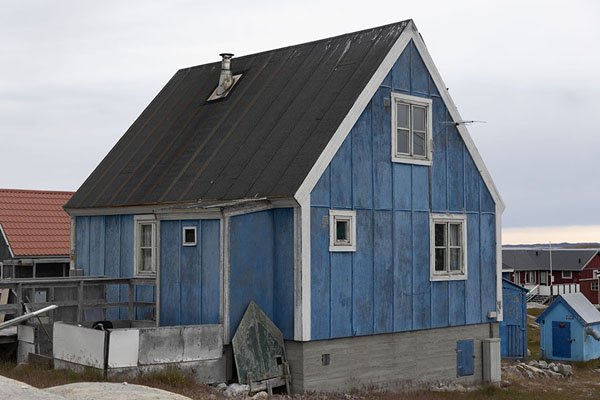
34	221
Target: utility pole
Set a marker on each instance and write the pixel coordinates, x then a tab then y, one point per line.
550	245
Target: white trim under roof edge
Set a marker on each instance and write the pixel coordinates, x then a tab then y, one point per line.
302	195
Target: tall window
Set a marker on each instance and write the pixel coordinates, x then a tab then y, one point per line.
145	245
530	277
411	129
448	247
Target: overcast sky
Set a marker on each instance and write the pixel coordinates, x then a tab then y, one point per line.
75	74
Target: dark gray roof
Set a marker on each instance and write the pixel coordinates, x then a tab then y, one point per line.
260	141
539	259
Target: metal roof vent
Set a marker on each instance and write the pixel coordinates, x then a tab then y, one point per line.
227	80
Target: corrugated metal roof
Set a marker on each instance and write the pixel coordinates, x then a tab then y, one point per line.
582	306
539	259
34	222
260	141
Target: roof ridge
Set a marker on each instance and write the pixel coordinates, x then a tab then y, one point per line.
35	191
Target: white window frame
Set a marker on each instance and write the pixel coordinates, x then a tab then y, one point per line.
140	220
567	272
187	228
447	275
529	274
543	277
412	101
346	215
592	286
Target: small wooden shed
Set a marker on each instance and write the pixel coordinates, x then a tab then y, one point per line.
513	330
570	329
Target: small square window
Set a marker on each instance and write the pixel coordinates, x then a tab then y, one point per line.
595	286
411	129
448	247
342	230
189	236
567	275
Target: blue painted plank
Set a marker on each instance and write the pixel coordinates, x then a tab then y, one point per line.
419	73
402	277
381	126
383	272
401	71
455	170
487	202
362	161
319	273
420	188
420	264
211	271
456	296
341	176
283	272
402	175
387	81
341	294
439	168
82	244
112	259
488	265
472	180
251	264
362	285
170	274
433	90
191	277
126	263
320	193
473	284
439	304
97	246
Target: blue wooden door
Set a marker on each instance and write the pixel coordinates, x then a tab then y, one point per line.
561	339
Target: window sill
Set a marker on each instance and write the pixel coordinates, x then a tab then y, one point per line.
145	275
410	160
448	277
338	249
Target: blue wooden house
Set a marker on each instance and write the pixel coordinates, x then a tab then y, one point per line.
513	328
334	184
570	329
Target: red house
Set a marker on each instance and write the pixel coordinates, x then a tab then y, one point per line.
572	270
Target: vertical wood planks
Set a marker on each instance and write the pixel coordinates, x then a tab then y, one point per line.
112	257
382	168
341	294
403	276
473	284
97	246
210	271
362	161
283	272
383	301
191	276
82	244
319	272
126	261
341	175
362	284
170	273
421	290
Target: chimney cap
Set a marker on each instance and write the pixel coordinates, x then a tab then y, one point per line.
226	55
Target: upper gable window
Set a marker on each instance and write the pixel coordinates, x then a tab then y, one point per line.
411	129
448	247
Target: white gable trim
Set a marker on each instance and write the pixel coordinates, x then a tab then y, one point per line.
303	193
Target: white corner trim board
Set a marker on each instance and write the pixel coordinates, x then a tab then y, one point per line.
303	193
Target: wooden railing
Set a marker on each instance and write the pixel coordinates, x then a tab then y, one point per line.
73	294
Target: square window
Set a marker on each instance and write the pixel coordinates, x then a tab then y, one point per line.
342	230
448	247
145	245
567	275
189	236
411	129
595	286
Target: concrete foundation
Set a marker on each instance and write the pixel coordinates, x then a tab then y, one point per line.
392	361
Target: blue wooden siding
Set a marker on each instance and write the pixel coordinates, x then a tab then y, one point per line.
262	267
104	246
190	275
384	286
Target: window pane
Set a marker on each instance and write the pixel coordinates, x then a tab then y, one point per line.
440	259
418	118
419	143
454	235
455	263
145	260
146	235
341	231
190	235
402	115
440	235
402	145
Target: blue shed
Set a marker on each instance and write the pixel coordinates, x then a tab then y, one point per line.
334	184
570	329
513	329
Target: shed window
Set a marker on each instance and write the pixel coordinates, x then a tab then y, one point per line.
448	247
595	286
145	245
189	236
567	275
411	129
342	230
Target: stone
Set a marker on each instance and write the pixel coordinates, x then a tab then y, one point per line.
235	389
528	353
261	395
533	363
565	369
553	374
551	365
221	386
543	364
505	383
554	368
